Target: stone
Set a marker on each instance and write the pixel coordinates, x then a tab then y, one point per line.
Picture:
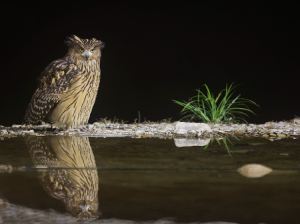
254	170
30	133
24	132
139	133
186	126
99	125
3	131
16	126
281	135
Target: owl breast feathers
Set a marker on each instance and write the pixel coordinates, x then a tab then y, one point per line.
67	88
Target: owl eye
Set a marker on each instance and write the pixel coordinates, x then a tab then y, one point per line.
92	51
90	209
79	210
81	50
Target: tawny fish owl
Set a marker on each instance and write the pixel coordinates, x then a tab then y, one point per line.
67	88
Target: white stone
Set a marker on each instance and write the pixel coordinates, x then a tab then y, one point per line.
16	126
139	132
254	170
99	125
185	126
30	131
3	131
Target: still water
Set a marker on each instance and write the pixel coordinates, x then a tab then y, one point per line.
125	180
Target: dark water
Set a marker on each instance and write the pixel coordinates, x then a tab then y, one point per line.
150	179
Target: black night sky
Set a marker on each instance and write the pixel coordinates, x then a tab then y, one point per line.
156	53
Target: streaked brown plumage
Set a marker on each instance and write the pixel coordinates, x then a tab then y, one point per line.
75	186
67	88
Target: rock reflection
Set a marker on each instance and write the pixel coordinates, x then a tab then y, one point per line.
202	142
183	142
74	179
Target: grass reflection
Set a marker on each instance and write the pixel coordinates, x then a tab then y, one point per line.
219	141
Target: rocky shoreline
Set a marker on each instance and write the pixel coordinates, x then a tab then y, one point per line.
270	130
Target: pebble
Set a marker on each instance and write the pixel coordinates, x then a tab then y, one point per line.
281	135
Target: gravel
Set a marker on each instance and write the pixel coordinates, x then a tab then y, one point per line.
271	130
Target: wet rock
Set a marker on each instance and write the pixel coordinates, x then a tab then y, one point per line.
254	170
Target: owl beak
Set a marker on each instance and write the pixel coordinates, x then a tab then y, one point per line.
87	57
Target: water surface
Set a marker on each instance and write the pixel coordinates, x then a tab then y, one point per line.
149	179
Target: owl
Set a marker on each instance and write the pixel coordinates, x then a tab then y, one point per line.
67	88
72	175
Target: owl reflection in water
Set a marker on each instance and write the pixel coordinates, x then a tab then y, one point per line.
68	87
76	187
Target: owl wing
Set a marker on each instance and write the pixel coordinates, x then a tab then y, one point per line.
52	83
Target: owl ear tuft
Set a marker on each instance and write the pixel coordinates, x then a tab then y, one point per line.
72	41
101	45
98	43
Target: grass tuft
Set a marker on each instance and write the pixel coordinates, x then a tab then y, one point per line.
209	109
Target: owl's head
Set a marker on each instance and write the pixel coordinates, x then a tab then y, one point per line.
84	49
85	210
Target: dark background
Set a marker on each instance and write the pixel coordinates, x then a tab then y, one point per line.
158	52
